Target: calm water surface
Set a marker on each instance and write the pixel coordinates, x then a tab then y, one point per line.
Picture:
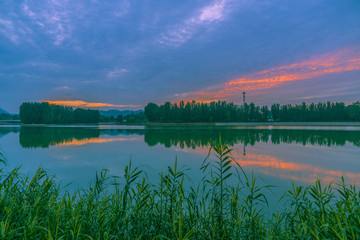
278	155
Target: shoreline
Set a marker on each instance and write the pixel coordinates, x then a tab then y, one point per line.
179	124
295	124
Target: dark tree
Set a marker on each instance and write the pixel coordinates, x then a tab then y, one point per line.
120	118
45	113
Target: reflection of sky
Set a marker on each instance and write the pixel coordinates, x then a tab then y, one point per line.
76	142
301	164
78	160
120	53
296	171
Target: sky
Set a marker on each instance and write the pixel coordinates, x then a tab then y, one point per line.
122	54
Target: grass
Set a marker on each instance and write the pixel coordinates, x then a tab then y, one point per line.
132	207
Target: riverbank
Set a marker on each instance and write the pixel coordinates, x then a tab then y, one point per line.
178	124
259	124
326	124
10	122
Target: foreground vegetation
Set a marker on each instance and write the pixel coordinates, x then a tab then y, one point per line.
131	207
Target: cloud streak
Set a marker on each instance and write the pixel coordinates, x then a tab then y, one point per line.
7	29
182	33
330	63
53	17
116	72
83	104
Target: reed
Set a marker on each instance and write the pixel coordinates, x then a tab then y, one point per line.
133	207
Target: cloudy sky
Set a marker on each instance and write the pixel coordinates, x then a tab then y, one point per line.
123	54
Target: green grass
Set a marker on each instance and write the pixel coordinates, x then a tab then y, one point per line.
132	207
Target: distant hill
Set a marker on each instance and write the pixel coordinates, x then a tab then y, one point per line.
115	113
3	111
5	115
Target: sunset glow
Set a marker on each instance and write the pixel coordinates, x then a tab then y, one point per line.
67	53
221	119
330	63
83	104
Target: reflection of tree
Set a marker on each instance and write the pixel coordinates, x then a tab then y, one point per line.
33	137
115	132
316	137
209	136
203	137
6	130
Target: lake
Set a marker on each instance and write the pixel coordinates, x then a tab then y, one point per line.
277	154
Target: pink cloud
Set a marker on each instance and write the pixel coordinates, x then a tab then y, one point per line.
183	32
83	104
329	63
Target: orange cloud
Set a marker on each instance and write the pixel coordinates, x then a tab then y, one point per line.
341	61
83	104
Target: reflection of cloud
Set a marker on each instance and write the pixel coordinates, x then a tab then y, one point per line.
83	104
273	166
76	142
295	171
341	61
181	33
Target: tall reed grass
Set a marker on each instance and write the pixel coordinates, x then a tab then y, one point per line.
132	207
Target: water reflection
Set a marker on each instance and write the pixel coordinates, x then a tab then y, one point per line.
43	137
277	167
194	138
76	142
6	130
300	155
274	166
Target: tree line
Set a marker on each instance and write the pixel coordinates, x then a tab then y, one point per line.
45	113
192	112
222	111
316	112
128	118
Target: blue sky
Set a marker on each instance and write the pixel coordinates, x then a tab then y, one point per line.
124	54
